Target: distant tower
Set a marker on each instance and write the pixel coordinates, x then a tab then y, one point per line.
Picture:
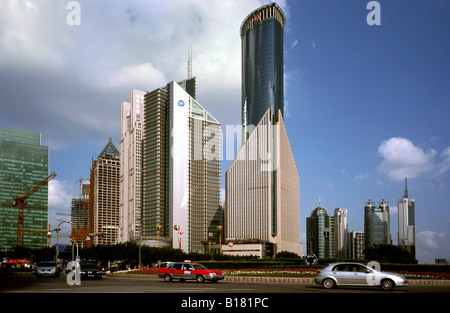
376	224
262	65
320	233
190	62
406	222
104	186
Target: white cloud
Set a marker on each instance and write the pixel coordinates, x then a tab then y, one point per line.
401	158
361	176
134	75
293	44
429	239
60	196
393	209
444	166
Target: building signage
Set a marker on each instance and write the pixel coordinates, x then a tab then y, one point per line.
257	17
181	103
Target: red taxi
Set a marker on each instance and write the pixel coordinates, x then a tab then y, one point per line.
187	270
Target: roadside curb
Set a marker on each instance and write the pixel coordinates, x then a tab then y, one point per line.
293	280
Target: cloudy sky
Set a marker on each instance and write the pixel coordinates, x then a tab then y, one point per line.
365	105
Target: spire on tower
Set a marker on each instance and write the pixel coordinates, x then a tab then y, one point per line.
406	188
189	62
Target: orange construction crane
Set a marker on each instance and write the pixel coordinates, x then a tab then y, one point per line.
21	201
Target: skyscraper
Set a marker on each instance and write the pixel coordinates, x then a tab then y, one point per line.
320	233
406	222
262	65
105	195
262	193
181	168
341	233
377	224
262	184
132	124
23	165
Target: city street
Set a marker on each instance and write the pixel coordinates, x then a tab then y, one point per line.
32	284
25	291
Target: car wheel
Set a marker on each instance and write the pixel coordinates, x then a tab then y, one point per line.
168	278
387	284
328	283
200	279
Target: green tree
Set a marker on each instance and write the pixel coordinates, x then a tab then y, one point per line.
389	254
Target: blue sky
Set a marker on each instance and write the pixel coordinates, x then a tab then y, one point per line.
366	105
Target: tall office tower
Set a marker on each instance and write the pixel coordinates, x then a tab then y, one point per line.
320	233
341	233
132	124
377	224
406	222
356	245
181	169
262	192
105	178
262	65
23	165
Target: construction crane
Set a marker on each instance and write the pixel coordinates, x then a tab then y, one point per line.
48	231
20	203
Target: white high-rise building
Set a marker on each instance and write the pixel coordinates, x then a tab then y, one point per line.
406	222
132	121
180	168
341	233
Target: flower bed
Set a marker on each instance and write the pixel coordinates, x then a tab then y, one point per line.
299	272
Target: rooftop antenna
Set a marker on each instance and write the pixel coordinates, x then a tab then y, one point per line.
189	65
406	188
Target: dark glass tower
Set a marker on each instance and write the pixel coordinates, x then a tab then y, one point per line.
262	64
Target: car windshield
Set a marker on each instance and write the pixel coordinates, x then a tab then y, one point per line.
46	264
199	267
92	266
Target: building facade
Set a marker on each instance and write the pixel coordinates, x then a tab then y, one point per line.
262	193
356	245
320	233
132	124
341	233
406	222
23	165
377	224
262	65
181	169
104	196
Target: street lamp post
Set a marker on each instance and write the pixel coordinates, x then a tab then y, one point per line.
57	240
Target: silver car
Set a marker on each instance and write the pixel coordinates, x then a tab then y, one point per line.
355	274
46	269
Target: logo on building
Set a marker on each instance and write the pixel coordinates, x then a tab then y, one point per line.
180	103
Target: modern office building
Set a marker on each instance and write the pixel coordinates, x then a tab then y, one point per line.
377	224
132	125
262	65
406	222
180	169
356	245
320	233
104	195
262	193
23	165
341	233
262	184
